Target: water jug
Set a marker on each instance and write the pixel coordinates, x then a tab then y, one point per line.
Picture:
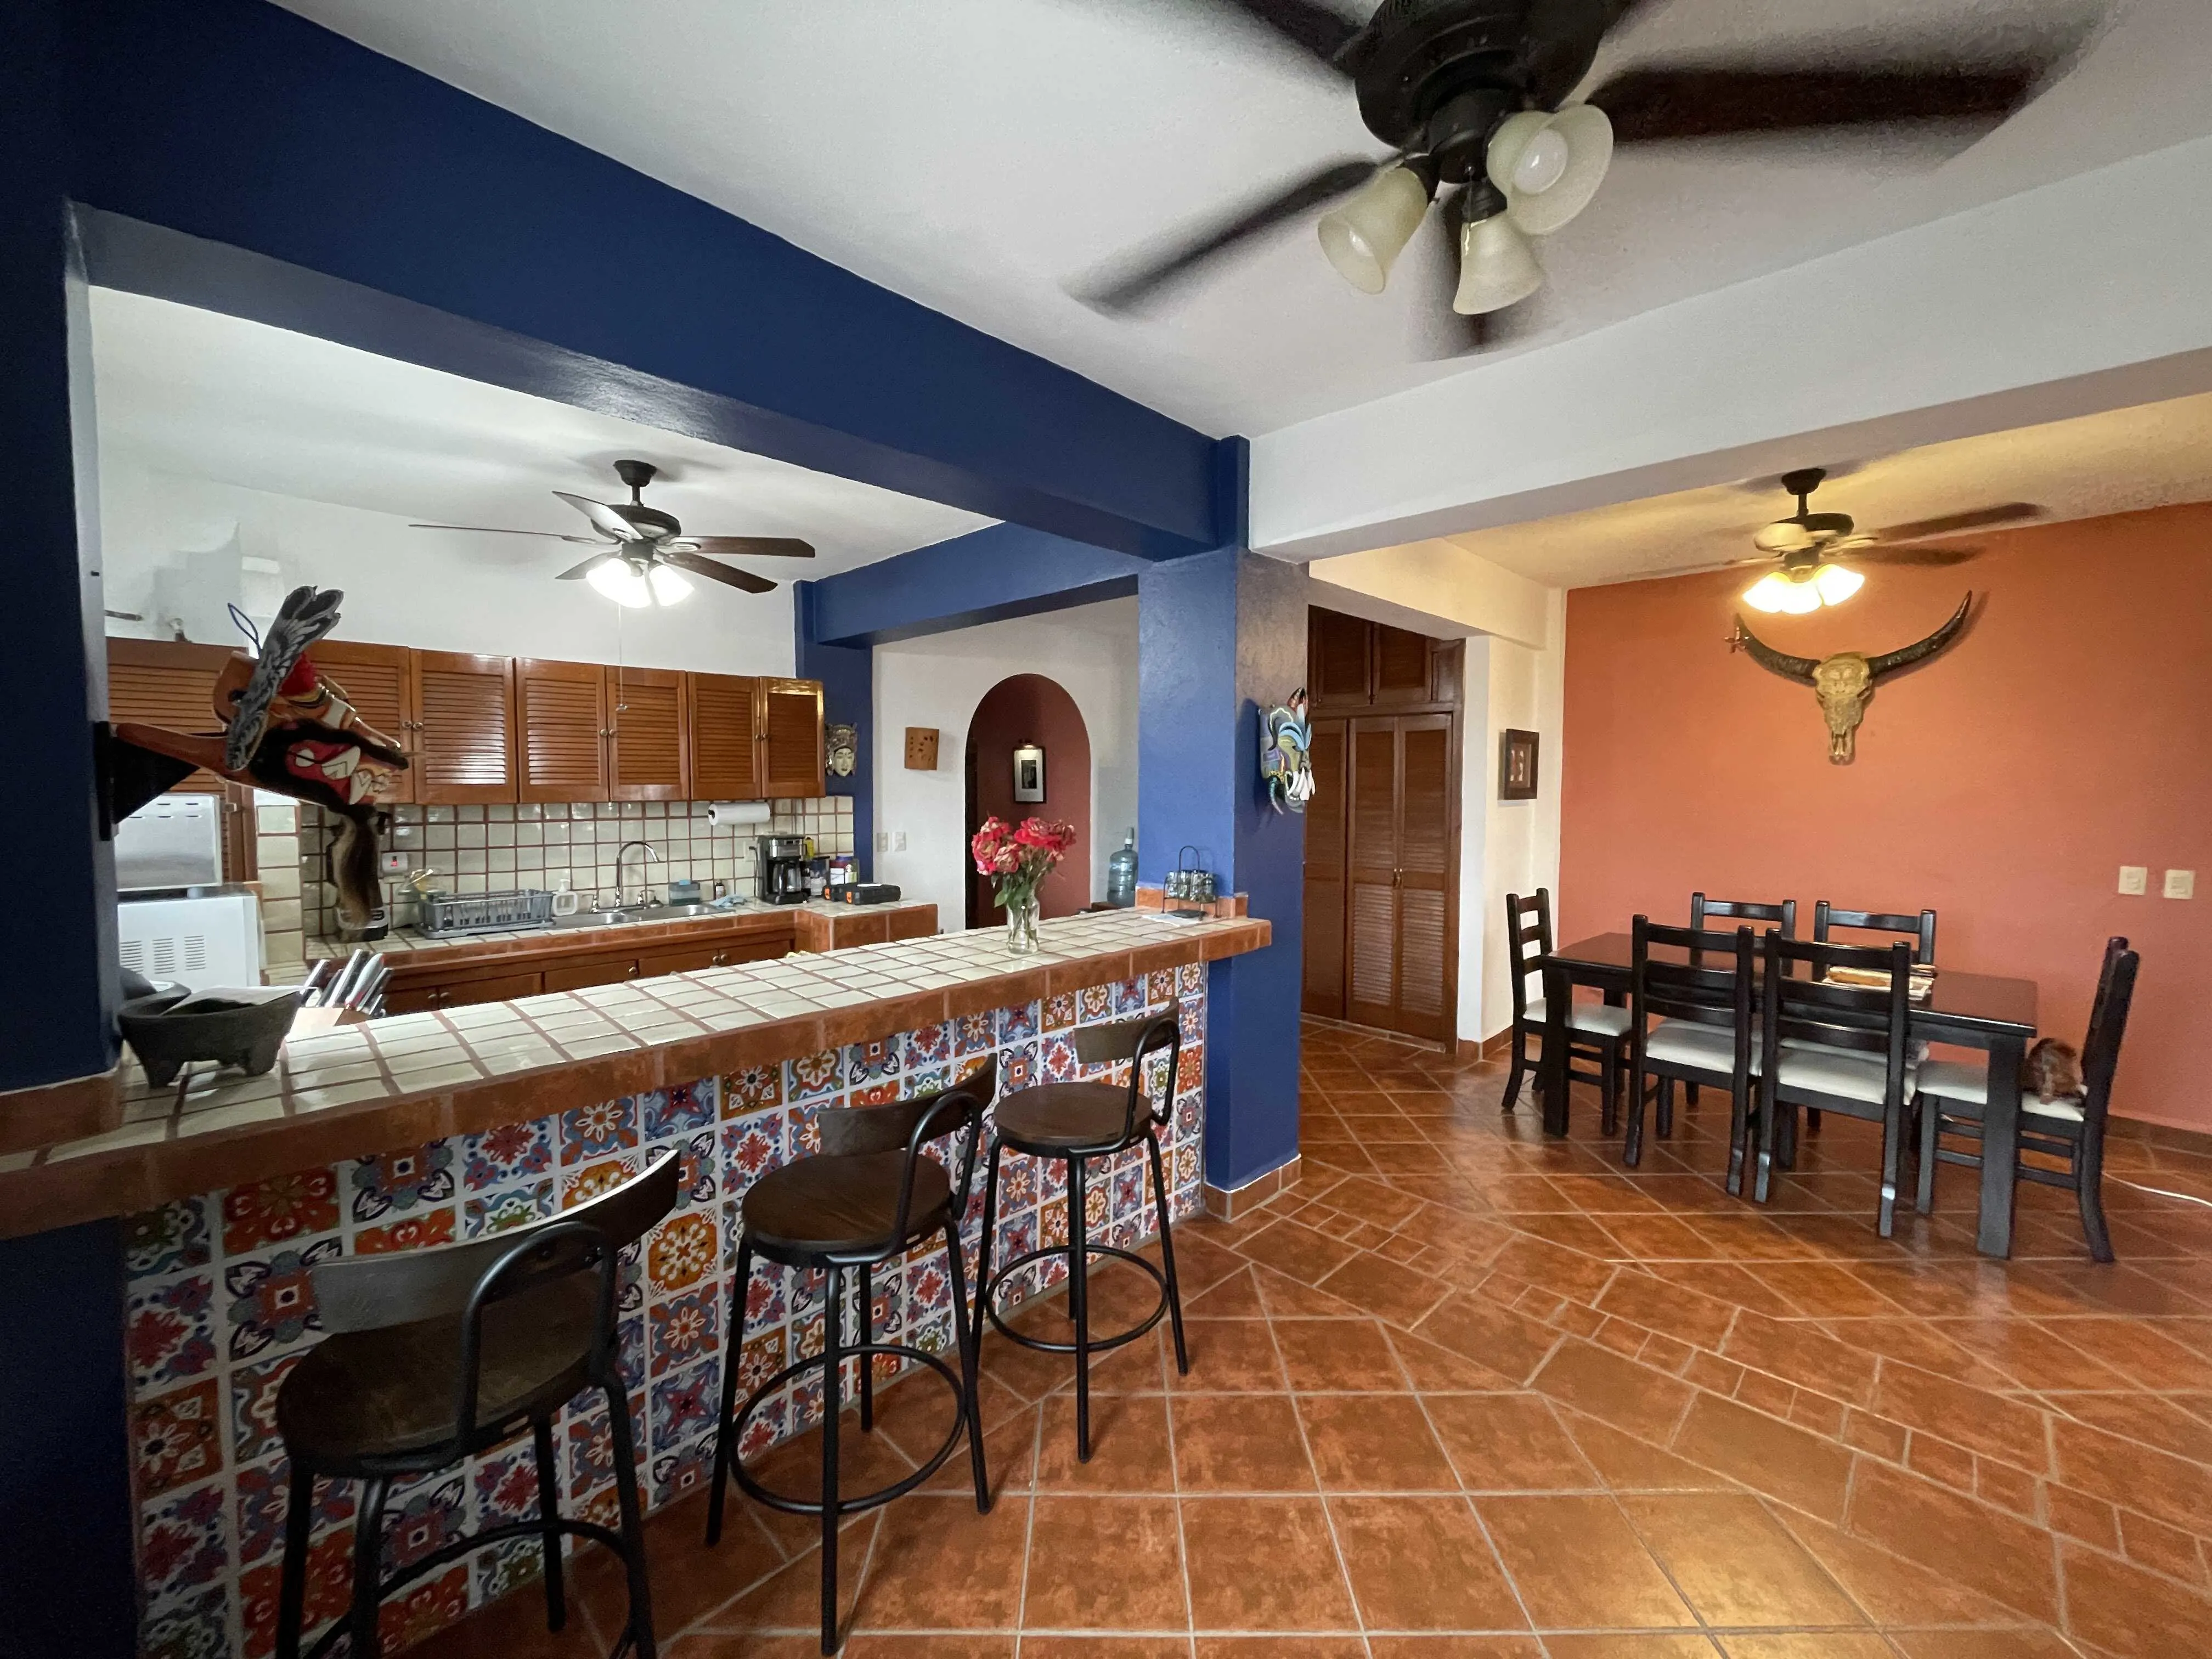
1121	875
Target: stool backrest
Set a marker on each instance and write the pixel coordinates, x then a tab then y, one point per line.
853	1131
1710	984
1528	941
1803	1004
2108	1023
1136	1041
1781	913
1920	929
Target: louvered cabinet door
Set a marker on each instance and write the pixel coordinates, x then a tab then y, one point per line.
1370	874
375	679
1327	821
464	710
561	708
646	755
1338	649
1426	927
791	737
170	684
1401	667
726	749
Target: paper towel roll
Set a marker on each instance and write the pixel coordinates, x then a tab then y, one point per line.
729	814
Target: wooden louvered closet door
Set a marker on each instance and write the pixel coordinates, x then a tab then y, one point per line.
464	745
1370	874
1327	819
376	681
647	751
563	714
1400	869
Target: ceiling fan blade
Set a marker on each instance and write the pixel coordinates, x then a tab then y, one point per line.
495	529
586	568
1910	556
1124	286
758	547
604	519
1980	518
1709	101
717	573
1306	24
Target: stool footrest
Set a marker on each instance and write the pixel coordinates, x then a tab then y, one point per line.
759	1396
989	1297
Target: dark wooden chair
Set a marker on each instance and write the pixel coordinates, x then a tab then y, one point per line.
872	1194
1875	1086
1920	929
1595	1030
1953	1094
1073	1123
1705	1032
433	1356
1776	913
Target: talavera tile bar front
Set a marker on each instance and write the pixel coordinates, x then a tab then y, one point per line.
432	1129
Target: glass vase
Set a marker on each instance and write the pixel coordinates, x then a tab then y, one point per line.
1021	924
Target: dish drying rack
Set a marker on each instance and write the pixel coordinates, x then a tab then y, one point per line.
442	914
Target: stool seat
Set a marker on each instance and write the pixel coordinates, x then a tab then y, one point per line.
826	1206
1055	1117
383	1396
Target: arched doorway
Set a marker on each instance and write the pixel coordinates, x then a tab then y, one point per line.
1021	711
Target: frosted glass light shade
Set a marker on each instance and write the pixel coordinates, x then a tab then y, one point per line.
1837	584
1496	266
1549	166
1775	592
621	582
1363	238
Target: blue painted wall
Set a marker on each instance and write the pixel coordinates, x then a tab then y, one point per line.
986	575
236	122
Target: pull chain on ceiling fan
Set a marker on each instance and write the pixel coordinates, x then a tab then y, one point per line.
643	551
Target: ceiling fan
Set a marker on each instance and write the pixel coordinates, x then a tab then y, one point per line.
1807	544
643	550
1472	96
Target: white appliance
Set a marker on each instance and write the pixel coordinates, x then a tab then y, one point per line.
173	841
202	940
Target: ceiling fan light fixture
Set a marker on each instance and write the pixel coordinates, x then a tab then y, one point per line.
1497	266
1777	593
1363	238
1550	165
1835	584
638	589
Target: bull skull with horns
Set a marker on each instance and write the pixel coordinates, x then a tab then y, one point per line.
1844	683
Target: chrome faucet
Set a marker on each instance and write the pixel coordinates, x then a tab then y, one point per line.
644	889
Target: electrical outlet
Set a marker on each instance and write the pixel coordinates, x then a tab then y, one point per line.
898	845
2181	884
2135	879
392	864
883	840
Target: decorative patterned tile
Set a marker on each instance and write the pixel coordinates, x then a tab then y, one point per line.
683	1329
1095	1004
177	1437
868	1063
680	1474
699	1178
582	1186
426	1521
681	1251
754	1090
1020	1023
1059	1011
682	1404
168	1240
679	1110
272	1299
974	1034
930	1046
592	1132
170	1334
517	1207
507	1155
413	1178
282	1207
415	1232
813	1077
183	1545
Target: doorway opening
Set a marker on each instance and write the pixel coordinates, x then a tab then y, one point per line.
1036	717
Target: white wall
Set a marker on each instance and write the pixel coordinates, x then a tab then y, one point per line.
937	681
173	545
1423	584
1525	689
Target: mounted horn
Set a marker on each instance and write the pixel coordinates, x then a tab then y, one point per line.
1889	662
1777	662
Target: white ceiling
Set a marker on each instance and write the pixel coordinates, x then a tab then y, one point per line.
2121	461
976	154
195	393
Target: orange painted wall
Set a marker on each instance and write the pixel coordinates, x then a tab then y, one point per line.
2005	783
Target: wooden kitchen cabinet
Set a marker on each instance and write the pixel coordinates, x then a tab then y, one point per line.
791	737
378	681
1353	664
169	683
599	971
721	954
563	711
460	992
723	715
463	737
649	730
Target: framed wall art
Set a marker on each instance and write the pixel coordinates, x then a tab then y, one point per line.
1028	774
1516	765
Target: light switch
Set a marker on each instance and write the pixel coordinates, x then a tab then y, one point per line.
2135	879
2181	884
883	840
392	864
898	845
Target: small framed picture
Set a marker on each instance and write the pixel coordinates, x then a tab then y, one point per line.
1028	774
1516	765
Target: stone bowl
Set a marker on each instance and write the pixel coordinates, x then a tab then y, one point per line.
175	1028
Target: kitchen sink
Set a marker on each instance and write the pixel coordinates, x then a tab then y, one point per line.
671	912
594	919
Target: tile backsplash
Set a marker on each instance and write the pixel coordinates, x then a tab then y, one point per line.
496	848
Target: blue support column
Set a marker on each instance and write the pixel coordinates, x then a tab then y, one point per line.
1222	636
848	673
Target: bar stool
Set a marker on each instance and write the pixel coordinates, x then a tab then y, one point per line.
433	1356
1073	1123
869	1197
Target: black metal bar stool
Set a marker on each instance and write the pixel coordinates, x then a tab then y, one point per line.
871	1196
1072	1123
433	1356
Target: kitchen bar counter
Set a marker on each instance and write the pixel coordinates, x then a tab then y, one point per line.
362	1090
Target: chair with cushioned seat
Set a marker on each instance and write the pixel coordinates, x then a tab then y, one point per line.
1073	1123
435	1356
1704	1030
869	1196
1952	1095
1824	1074
1595	1030
1776	913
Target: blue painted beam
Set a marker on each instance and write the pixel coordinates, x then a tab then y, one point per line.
986	575
352	176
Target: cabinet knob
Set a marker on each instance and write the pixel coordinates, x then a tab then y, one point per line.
721	959
636	969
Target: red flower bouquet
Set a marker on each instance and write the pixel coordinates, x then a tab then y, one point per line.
1019	856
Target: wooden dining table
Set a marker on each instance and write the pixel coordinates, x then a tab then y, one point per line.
1973	1011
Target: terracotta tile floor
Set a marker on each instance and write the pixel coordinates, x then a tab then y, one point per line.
1464	1394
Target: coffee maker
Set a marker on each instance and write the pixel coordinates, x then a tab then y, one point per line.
780	864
